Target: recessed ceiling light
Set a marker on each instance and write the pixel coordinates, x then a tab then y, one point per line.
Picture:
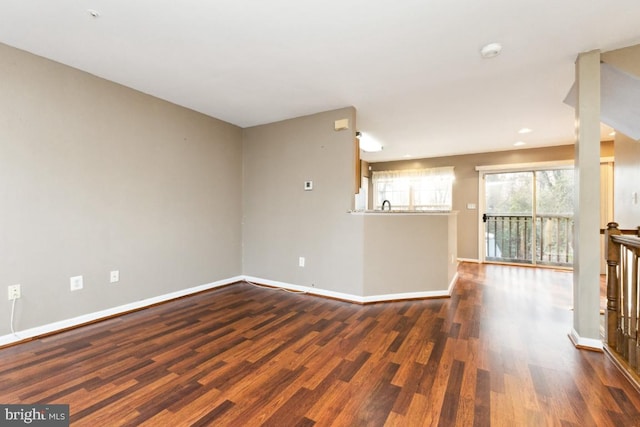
491	50
519	143
613	133
406	156
525	130
93	13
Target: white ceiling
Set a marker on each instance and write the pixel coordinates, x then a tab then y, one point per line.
411	68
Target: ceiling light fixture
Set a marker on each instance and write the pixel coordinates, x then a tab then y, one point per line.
525	130
93	13
519	143
491	50
367	143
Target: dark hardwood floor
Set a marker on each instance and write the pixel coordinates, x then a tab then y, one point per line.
496	353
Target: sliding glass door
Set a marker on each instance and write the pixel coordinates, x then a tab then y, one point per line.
528	217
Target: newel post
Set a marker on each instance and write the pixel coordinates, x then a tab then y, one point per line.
612	251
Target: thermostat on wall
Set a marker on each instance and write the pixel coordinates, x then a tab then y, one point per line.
308	185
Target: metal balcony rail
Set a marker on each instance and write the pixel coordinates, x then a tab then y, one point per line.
511	238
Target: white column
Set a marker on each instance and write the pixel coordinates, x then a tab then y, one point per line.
586	274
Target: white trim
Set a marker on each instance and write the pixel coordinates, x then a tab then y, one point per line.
532	166
102	314
452	284
355	298
471	260
283	285
554	164
481	208
588	343
413	295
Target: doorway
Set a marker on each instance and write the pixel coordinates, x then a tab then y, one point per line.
528	216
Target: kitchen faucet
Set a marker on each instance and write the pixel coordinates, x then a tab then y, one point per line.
388	204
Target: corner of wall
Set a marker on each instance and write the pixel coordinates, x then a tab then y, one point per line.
283	222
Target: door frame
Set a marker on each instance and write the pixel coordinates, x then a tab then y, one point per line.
516	167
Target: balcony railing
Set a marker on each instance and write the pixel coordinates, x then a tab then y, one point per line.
511	238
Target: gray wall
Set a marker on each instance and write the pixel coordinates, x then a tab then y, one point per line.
97	177
409	253
282	222
627	169
627	182
627	59
465	187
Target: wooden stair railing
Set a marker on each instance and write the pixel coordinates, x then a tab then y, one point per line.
621	331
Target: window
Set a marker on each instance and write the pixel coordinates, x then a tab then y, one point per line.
414	189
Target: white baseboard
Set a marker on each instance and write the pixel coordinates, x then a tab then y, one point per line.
92	317
305	289
585	343
355	298
98	315
471	260
452	284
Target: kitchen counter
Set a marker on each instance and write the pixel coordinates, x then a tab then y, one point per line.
385	212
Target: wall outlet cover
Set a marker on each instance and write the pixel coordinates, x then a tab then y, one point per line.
14	292
114	276
76	283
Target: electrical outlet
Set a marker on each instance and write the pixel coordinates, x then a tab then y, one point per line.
75	283
14	292
115	276
301	261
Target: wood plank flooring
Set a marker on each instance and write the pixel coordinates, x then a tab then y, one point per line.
496	353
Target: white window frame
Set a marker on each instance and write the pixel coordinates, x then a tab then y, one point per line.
408	183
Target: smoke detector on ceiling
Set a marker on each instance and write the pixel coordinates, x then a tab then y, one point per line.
491	50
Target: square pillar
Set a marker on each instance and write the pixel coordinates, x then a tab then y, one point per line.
586	274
